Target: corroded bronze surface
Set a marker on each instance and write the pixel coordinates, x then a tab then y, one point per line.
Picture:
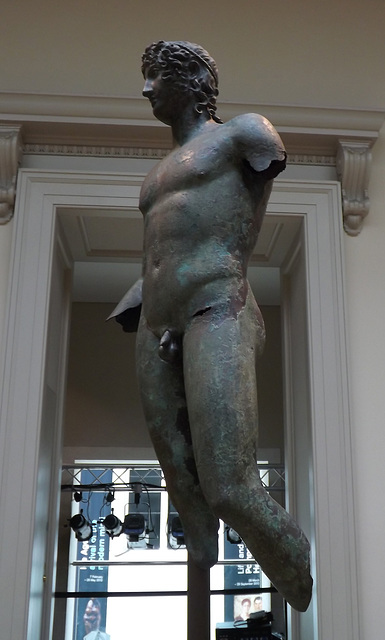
200	328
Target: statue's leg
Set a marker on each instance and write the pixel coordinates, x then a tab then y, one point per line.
220	382
162	391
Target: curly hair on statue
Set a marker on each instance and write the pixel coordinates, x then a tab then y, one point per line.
174	61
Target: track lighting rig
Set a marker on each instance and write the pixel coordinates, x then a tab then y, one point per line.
150	479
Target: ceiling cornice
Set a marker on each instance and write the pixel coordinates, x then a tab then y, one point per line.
119	121
344	136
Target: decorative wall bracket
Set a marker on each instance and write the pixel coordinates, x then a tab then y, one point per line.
10	159
353	163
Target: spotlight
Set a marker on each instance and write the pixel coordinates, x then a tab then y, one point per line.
113	525
78	496
177	529
232	536
110	497
176	533
81	527
137	487
133	526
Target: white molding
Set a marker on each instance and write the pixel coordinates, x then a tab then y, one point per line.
94	151
10	159
22	375
104	151
21	401
311	159
330	429
22	365
125	109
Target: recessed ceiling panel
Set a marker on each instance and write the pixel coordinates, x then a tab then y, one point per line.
109	236
106	247
275	238
103	234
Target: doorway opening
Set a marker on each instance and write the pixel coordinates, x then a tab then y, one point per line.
33	371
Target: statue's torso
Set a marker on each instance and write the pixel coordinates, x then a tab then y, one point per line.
201	222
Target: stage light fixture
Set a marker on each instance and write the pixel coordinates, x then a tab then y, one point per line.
81	527
137	488
113	525
177	529
110	496
175	533
133	526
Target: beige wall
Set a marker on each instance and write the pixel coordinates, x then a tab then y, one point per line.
328	53
103	404
290	52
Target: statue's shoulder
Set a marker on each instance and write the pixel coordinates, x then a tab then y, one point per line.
255	126
258	141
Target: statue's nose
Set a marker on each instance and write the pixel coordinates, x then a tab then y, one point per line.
147	89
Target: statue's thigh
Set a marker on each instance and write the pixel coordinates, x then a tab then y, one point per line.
161	388
221	391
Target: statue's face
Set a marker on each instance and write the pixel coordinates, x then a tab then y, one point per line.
166	100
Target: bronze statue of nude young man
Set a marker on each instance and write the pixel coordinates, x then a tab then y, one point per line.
200	328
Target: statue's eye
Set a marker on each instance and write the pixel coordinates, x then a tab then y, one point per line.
152	73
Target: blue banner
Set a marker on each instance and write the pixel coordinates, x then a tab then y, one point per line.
245	574
90	612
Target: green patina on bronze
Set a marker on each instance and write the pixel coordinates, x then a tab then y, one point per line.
200	328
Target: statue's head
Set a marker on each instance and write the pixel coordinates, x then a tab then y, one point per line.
189	68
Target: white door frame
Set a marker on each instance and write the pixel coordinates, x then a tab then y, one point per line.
22	371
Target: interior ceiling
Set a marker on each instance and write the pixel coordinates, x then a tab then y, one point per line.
107	247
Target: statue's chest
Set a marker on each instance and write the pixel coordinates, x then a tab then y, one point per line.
182	170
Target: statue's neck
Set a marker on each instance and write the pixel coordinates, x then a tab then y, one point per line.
190	125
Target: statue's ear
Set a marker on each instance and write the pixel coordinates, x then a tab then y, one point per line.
193	67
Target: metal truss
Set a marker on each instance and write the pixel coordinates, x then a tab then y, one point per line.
148	474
